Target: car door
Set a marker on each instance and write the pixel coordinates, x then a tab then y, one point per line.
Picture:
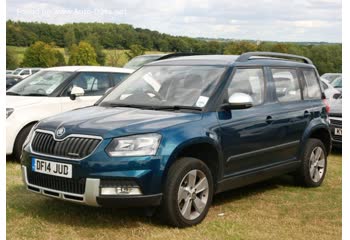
94	84
246	135
289	112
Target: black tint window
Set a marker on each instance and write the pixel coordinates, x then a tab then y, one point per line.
287	84
94	84
118	77
311	88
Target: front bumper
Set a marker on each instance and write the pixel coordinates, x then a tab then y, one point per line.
91	195
336	122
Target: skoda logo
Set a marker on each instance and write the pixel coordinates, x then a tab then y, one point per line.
60	131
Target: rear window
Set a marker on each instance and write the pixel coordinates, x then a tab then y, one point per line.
311	87
287	84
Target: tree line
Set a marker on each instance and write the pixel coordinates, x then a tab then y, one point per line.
327	57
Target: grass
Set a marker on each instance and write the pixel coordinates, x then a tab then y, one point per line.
19	53
275	209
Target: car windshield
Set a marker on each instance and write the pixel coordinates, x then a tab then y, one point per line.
17	71
337	83
40	84
167	86
140	61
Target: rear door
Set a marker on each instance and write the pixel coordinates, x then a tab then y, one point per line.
289	113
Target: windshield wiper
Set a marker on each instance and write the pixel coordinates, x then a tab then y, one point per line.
131	105
35	94
13	94
177	107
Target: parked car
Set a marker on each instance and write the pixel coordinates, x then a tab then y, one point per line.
12	81
329	90
141	60
9	72
24	72
335	117
180	130
337	83
331	76
52	91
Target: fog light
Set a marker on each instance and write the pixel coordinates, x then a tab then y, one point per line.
121	190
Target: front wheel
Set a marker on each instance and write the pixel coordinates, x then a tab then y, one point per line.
314	164
188	192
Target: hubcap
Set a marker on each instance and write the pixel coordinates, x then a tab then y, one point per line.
317	164
192	196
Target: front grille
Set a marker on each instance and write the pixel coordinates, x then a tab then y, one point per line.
336	122
57	183
71	147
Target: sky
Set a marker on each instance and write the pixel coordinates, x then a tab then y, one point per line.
284	20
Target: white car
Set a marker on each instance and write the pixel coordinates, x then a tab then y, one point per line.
24	72
329	90
52	91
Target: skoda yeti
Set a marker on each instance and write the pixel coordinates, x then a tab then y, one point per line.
178	131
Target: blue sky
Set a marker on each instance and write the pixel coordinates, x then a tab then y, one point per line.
292	20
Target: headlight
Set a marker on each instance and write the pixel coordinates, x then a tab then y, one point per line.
30	135
136	145
9	111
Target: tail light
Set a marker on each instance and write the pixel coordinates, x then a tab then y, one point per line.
328	107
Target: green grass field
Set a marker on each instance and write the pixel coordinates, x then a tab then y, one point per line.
19	52
275	209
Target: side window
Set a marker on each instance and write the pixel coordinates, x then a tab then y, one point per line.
25	72
287	84
118	77
311	87
94	84
250	81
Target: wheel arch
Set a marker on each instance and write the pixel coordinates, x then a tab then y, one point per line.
204	149
320	132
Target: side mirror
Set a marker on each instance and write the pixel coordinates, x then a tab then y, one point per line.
239	101
76	92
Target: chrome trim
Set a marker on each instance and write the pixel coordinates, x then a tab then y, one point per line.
88	198
59	140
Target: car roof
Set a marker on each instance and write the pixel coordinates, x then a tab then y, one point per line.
89	69
229	60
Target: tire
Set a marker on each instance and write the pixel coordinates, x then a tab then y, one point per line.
313	169
178	180
21	137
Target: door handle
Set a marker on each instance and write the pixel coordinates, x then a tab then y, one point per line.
269	119
307	113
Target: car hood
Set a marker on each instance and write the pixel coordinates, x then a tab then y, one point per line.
22	101
117	121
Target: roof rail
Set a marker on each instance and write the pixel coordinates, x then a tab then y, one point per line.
174	55
246	56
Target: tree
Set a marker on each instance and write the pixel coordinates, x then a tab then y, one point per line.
11	60
114	58
83	54
94	41
135	50
240	47
41	54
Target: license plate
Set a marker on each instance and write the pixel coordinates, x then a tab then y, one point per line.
338	131
52	168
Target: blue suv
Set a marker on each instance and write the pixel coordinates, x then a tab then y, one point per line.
178	131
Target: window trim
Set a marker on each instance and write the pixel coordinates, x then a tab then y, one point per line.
298	81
